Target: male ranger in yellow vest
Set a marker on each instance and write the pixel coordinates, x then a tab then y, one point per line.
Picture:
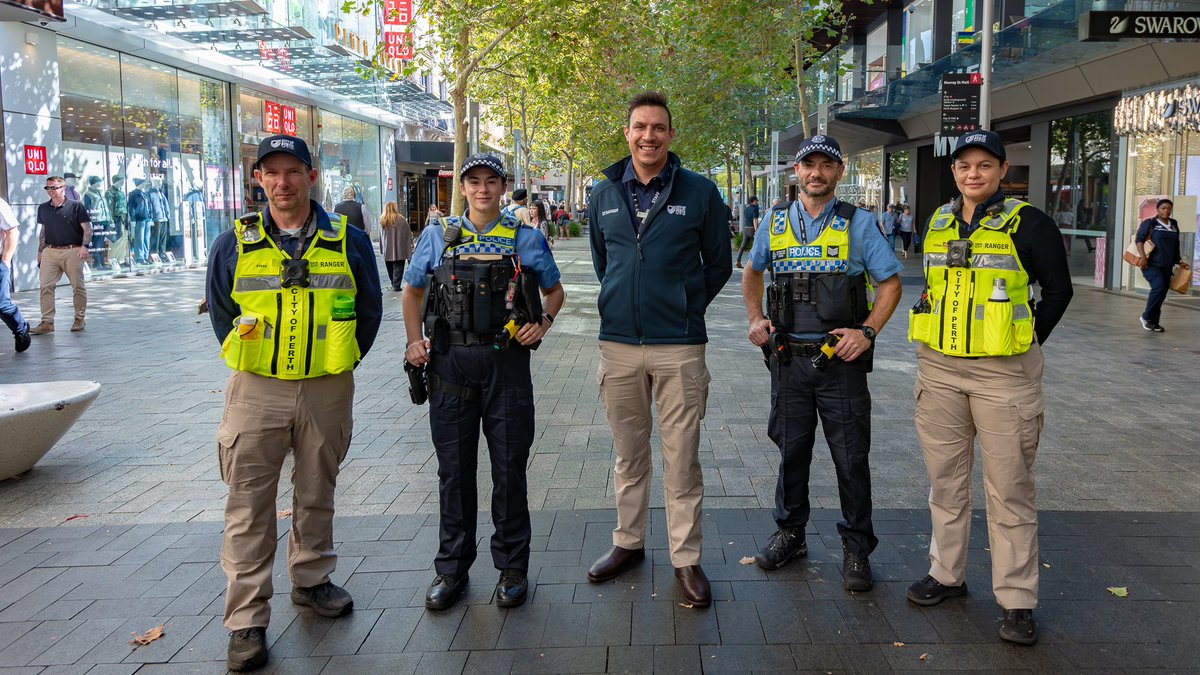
979	373
820	251
294	297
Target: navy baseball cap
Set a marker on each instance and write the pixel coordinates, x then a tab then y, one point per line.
489	161
288	145
826	145
981	138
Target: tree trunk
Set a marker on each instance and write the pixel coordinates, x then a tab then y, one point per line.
458	96
570	195
800	90
747	179
729	183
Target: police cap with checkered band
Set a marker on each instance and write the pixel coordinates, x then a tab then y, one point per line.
826	145
288	145
489	161
983	139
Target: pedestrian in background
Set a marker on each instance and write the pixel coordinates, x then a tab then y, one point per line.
889	222
64	235
979	375
820	242
563	220
9	312
660	246
540	222
294	299
395	243
1157	268
905	225
354	211
433	217
749	224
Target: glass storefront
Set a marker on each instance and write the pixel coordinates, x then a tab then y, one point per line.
918	36
1077	197
154	179
862	183
1162	160
260	115
349	157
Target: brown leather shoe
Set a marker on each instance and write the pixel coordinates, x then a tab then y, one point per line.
612	564
693	585
77	326
42	328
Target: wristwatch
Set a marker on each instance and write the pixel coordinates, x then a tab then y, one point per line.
869	332
548	317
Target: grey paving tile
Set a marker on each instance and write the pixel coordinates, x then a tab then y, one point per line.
25	649
566	626
744	658
610	624
435	631
71	647
392	630
480	628
371	664
696	626
677	659
177	632
560	660
523	628
442	663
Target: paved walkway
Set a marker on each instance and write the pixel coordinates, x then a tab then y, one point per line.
117	530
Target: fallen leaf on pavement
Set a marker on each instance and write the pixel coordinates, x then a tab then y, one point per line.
686	605
1046	565
923	657
897	644
1119	591
284	513
147	637
76	517
748	560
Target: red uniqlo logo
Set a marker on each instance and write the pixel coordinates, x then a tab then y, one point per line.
272	117
289	120
35	160
398	45
397	12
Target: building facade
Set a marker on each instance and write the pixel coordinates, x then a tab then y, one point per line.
154	113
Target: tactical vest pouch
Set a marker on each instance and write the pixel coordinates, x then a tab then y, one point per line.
530	298
250	352
481	290
839	298
998	328
779	303
919	324
341	347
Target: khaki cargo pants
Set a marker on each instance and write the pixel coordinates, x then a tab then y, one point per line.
264	418
998	399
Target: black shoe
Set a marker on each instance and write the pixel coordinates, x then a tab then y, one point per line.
510	591
1158	329
929	591
1019	627
445	590
23	340
247	649
856	572
785	545
328	600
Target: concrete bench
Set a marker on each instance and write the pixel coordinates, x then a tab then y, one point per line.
33	416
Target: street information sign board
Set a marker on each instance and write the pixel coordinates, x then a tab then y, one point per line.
960	102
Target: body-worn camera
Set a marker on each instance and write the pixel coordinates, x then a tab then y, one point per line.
958	253
294	273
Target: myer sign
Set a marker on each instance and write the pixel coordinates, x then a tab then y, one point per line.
944	145
1110	26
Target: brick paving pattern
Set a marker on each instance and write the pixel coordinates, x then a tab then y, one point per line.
1117	474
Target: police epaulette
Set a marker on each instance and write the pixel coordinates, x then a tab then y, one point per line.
846	210
248	218
784	206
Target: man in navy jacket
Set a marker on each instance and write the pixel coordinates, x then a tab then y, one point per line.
660	245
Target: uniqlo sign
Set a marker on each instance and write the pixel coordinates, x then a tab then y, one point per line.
397	12
35	160
288	118
398	45
272	117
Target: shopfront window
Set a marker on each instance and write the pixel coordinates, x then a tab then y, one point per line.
1163	165
129	127
1078	196
962	21
862	185
349	152
918	36
877	58
261	115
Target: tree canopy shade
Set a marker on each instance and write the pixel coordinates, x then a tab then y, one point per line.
561	71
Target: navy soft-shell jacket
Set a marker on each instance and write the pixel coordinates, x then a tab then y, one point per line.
654	287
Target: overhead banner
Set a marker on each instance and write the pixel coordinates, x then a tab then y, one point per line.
1147	25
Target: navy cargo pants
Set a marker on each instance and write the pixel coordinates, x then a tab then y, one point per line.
472	388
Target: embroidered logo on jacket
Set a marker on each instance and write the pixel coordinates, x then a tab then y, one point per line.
675	210
609	212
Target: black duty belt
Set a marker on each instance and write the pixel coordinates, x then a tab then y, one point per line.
467	339
805	349
465	393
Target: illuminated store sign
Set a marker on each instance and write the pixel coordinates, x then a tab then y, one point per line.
1111	26
360	46
1175	109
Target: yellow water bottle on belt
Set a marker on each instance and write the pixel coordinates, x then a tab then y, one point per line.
246	327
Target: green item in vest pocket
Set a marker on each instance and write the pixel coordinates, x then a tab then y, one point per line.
341	348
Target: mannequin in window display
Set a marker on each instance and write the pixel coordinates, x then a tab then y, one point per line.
140	219
160	213
72	180
118	210
97	206
193	216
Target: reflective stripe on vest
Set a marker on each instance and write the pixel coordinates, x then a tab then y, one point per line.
963	320
295	336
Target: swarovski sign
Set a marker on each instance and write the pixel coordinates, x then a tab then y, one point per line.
1149	25
1170	110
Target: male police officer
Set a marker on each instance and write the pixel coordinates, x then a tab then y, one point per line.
820	251
519	208
495	291
979	373
295	300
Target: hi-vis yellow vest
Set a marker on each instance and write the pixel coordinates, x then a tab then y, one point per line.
295	336
500	240
962	318
827	253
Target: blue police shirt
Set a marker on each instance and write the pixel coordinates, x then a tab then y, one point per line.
531	249
869	250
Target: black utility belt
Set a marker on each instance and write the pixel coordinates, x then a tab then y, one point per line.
467	339
803	348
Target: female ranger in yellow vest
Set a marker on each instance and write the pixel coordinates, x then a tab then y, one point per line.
979	373
294	299
493	291
820	252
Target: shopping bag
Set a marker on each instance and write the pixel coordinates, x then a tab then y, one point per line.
1181	280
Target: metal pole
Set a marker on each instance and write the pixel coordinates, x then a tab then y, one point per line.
985	66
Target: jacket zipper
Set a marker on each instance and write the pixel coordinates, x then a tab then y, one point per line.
637	286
